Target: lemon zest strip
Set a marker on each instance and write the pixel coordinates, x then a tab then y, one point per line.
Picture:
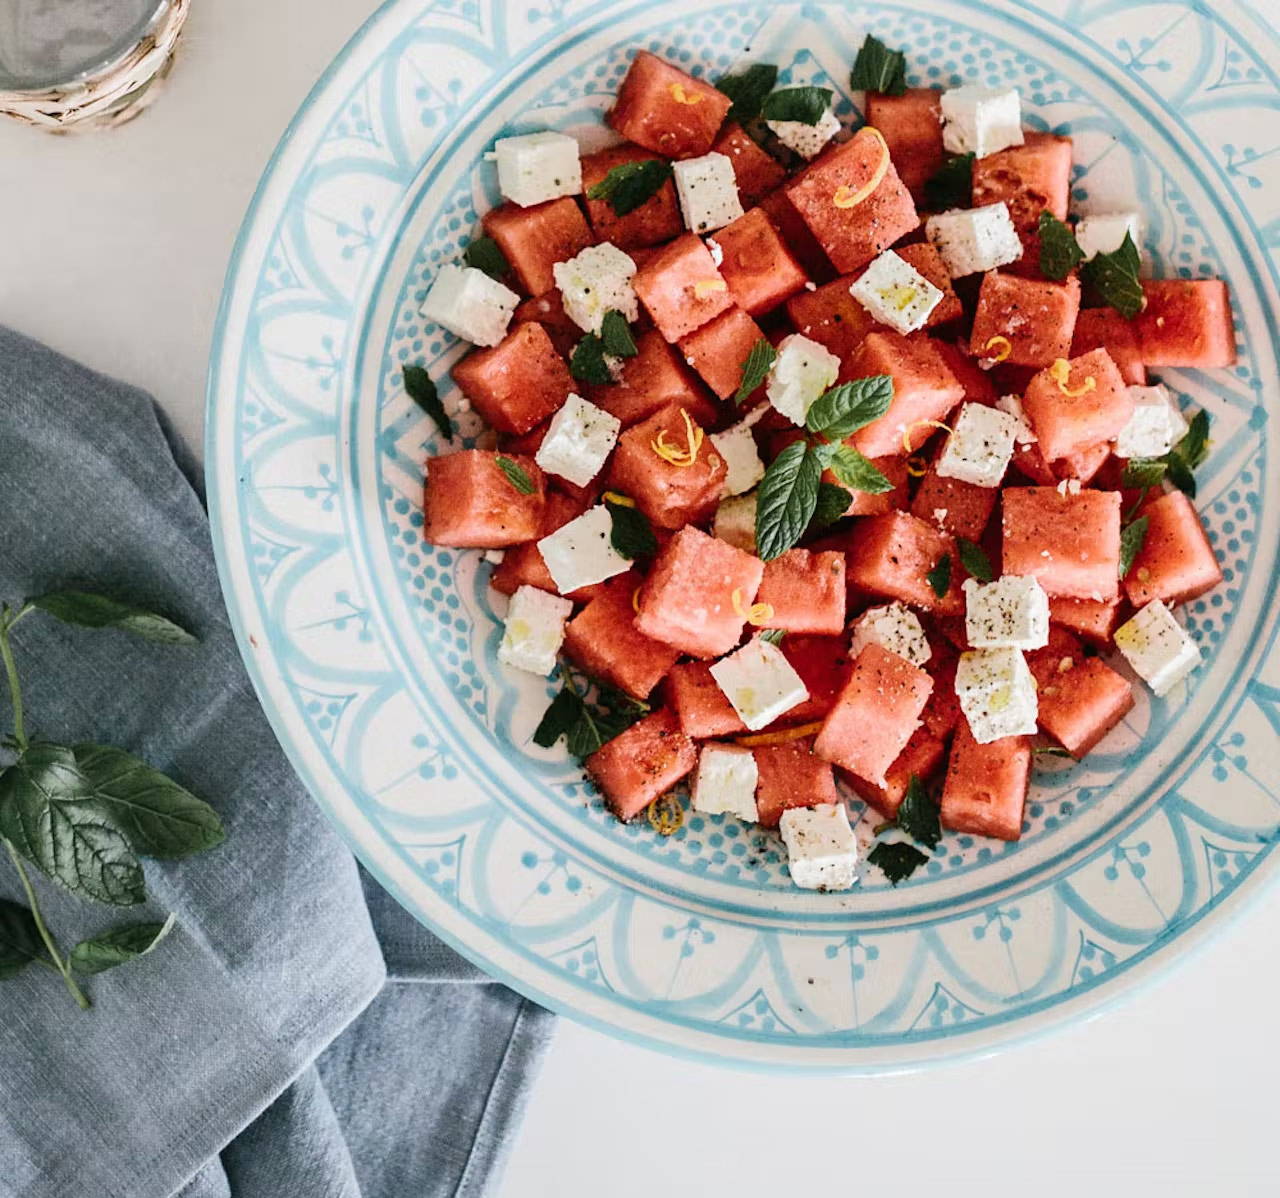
1002	345
635	601
616	497
705	287
674	454
680	96
799	732
666	815
756	614
844	196
1060	372
916	466
906	432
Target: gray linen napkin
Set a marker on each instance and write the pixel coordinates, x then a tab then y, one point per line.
298	1034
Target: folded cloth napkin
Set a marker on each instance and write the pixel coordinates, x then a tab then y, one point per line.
298	1034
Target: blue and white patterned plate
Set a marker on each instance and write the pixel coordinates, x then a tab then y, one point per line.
374	654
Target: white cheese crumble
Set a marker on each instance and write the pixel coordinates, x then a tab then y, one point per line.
578	442
725	781
980	446
469	304
806	140
534	630
822	852
735	522
537	167
1010	613
1158	648
980	120
972	240
1104	233
581	552
708	191
594	282
1155	427
894	627
895	293
1013	405
759	682
997	694
802	371
741	458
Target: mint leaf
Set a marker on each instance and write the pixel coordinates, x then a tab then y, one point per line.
485	254
842	410
158	817
118	946
879	69
615	335
584	726
918	814
1051	751
1143	472
20	943
1180	475
630	184
1193	449
772	636
98	611
755	368
1060	252
1132	537
803	104
420	389
748	90
631	535
587	363
974	559
517	476
896	859
786	499
939	578
50	814
563	714
951	185
854	471
1114	278
832	503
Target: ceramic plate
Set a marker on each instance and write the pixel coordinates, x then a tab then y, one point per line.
375	655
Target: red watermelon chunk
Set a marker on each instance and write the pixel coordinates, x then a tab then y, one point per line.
1090	618
718	349
1031	178
756	171
791	776
1080	698
806	592
603	639
1071	543
921	758
534	239
801	241
681	288
1035	317
666	110
642	763
759	268
831	316
1074	414
671	495
986	785
890	556
518	383
1186	322
1105	328
953	506
911	125
470	503
699	703
1176	562
657	220
654	379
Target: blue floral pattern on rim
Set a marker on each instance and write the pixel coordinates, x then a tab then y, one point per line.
376	654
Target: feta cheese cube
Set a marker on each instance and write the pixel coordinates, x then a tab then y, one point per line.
980	446
980	120
759	682
1104	234
973	240
534	631
1010	613
725	781
537	167
578	441
708	191
735	522
581	552
806	140
895	293
802	371
894	627
469	304
1158	648
1155	427
822	852
997	694
1013	405
741	457
594	282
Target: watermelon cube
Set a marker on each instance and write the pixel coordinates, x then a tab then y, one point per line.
1080	698
471	504
662	108
681	288
875	714
942	713
789	775
671	494
757	171
790	225
853	227
953	506
1031	178
806	592
924	390
1090	618
522	565
890	556
654	379
548	311
1088	404
924	256
699	703
831	316
518	383
603	639
986	785
1071	543
698	593
911	125
1105	328
921	758
642	763
657	220
535	239
718	349
979	387
759	268
823	665
1186	322
1176	562
1034	317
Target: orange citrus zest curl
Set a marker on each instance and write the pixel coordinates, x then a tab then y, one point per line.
799	732
915	424
674	454
845	197
756	614
1002	347
680	96
1060	372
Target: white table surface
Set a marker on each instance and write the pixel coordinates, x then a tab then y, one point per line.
112	249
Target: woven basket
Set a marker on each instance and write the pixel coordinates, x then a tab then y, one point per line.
110	97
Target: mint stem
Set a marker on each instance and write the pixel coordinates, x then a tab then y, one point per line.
7	623
51	945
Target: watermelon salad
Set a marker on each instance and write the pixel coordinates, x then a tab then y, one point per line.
823	460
